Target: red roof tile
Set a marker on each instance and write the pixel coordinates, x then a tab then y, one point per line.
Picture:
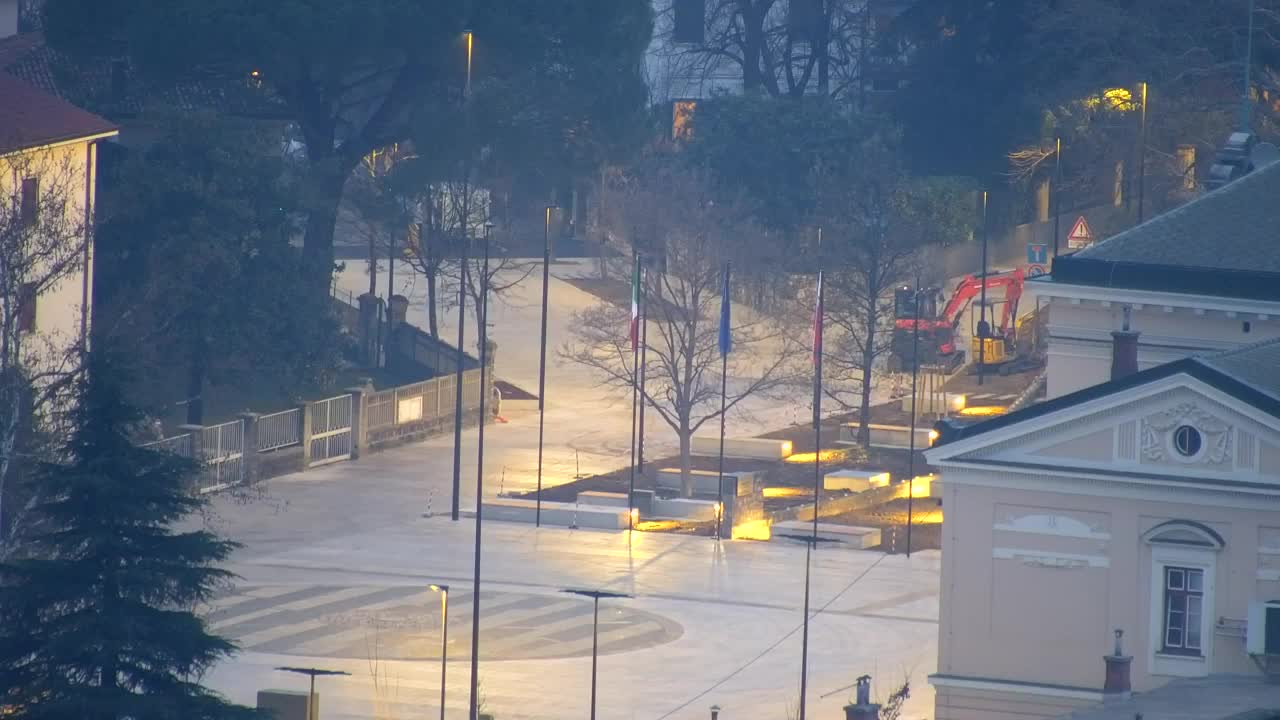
30	117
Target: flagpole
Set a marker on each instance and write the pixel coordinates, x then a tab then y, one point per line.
542	362
644	364
635	386
817	474
724	379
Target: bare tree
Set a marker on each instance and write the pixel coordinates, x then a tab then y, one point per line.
43	248
462	215
876	222
670	217
779	48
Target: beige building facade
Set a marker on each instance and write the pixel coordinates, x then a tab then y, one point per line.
1202	278
48	180
1149	504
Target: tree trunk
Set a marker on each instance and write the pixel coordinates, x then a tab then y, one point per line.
686	461
432	322
868	357
823	48
752	48
195	385
328	177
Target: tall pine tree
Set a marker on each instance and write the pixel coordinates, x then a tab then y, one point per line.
97	621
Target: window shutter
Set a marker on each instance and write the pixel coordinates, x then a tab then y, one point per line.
30	200
27	308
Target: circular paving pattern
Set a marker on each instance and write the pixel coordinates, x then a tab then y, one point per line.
403	623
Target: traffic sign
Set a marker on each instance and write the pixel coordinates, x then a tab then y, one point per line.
1081	235
1037	253
1035	270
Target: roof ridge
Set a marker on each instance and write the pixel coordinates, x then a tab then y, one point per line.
1238	350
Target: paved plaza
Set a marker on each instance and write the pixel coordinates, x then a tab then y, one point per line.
336	563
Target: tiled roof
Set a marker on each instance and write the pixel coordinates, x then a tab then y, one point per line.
1256	365
1248	373
92	85
30	117
1231	228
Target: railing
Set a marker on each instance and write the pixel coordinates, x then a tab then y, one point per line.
178	445
382	409
280	430
223	449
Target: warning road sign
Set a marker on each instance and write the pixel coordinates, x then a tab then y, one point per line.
1081	235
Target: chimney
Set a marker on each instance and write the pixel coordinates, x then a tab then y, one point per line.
8	18
863	708
1116	686
1124	350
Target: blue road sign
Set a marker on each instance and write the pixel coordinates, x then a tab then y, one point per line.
1037	254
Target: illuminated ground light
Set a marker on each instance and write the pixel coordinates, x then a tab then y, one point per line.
827	456
984	410
658	525
922	486
753	530
786	492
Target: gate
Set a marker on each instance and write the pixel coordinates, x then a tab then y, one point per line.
330	430
223	450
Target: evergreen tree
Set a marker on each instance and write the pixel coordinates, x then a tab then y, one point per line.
97	622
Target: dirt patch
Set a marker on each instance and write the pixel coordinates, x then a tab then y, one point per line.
511	392
891	518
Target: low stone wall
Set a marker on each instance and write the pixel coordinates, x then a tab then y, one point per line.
841	505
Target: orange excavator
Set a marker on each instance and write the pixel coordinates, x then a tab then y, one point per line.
937	330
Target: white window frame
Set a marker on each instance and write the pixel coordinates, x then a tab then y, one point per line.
1200	558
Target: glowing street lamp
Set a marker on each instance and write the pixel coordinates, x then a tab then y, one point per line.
444	638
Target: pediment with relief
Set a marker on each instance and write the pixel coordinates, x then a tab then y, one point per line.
1177	431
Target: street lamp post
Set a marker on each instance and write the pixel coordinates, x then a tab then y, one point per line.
475	587
312	673
595	596
1056	197
1142	155
810	542
911	442
454	511
444	638
542	363
983	329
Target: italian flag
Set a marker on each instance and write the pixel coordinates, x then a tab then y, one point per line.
635	304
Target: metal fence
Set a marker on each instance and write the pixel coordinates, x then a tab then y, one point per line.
330	430
178	445
381	407
433	399
280	430
223	449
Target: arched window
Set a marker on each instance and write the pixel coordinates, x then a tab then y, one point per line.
1183	558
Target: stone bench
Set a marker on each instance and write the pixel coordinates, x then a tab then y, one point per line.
936	403
602	499
600	517
854	480
889	436
846	536
750	448
682	509
704	481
